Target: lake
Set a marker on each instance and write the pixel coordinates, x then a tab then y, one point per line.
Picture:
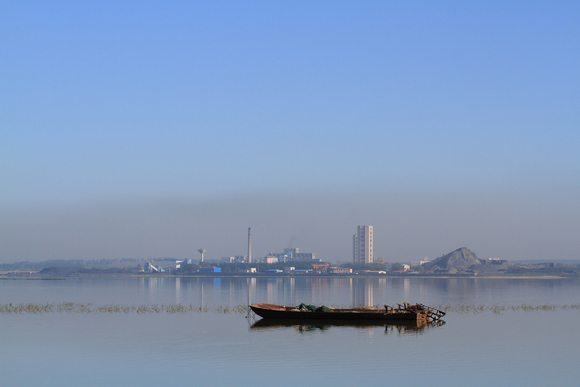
218	345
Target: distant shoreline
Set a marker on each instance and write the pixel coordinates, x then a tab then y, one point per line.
258	275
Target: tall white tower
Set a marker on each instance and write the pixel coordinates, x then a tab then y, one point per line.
363	245
202	251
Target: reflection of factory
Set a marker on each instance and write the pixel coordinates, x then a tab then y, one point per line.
164	265
290	255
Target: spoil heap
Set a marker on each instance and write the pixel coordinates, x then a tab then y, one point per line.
456	262
464	261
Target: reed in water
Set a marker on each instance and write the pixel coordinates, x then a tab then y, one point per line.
76	307
497	309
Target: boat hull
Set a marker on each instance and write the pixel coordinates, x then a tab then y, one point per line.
272	311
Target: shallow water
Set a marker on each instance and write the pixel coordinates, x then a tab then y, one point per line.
534	348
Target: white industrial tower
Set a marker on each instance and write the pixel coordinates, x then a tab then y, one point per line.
202	251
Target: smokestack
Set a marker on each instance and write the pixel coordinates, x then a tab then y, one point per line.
249	245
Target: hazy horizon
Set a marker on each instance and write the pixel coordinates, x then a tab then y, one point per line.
150	130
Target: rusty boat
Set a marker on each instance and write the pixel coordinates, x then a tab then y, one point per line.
404	312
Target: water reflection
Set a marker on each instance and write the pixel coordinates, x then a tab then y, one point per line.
401	328
478	349
353	292
339	292
251	284
362	291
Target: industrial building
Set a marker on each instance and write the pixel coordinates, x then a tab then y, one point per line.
164	265
211	269
293	254
270	260
235	259
340	270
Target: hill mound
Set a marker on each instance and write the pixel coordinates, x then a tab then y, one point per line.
459	260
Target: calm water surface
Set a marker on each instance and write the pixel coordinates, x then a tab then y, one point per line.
538	348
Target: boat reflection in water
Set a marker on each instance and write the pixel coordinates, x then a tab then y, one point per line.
400	327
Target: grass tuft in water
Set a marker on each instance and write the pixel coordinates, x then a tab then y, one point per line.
72	307
498	309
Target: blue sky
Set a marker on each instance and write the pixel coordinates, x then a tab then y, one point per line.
415	117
